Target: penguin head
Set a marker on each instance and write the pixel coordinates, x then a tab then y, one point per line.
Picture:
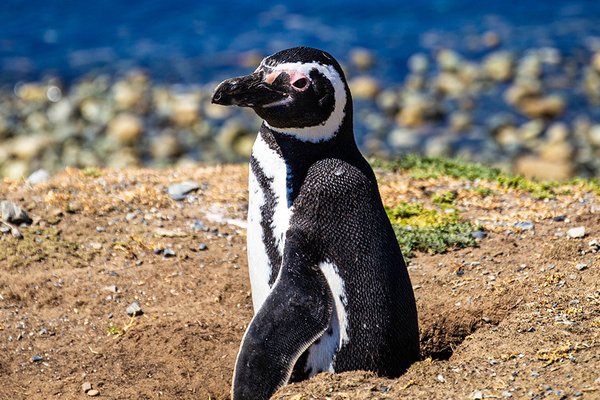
300	92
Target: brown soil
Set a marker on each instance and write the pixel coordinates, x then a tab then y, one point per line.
513	317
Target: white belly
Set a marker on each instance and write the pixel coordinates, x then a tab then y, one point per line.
274	168
321	355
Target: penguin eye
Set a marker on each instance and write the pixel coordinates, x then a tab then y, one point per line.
301	83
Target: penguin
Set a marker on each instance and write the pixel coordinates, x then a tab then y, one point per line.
330	288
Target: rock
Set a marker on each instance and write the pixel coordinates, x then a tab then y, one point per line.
594	135
449	84
168	252
39	176
13	214
162	232
403	138
491	39
577	232
521	90
535	167
16	169
362	59
28	147
364	87
478	235
37	358
125	128
596	61
179	191
126	95
542	107
448	60
499	66
93	393
94	111
416	108
202	247
440	378
185	109
581	267
33	92
557	152
524	225
418	63
594	245
134	309
477	395
165	146
86	387
460	121
111	288
60	112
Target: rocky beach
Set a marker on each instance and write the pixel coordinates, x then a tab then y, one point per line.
534	112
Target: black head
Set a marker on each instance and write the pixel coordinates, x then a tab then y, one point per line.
300	91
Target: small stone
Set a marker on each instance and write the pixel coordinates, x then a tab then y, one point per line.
37	358
594	245
559	218
543	107
577	232
126	128
39	176
12	213
202	247
134	309
525	225
86	387
477	395
364	87
168	252
93	393
178	191
100	229
363	59
506	394
440	378
581	267
198	225
418	63
478	235
111	288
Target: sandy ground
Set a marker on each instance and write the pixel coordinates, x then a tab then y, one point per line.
518	316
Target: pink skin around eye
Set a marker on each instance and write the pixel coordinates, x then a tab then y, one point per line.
294	77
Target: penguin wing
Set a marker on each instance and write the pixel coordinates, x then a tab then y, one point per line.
296	312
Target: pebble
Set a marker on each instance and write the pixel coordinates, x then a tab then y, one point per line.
37	358
525	225
364	87
478	235
168	252
362	59
125	128
86	387
93	393
38	176
577	232
440	378
594	245
134	309
111	288
14	214
559	218
198	225
477	395
202	247
581	267
179	191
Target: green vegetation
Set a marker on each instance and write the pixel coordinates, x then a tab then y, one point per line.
435	167
445	199
428	230
92	172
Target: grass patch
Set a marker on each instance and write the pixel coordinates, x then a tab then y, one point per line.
435	167
428	230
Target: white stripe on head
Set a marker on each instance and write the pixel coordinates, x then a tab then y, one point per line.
327	129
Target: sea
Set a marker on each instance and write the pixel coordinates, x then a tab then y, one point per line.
194	42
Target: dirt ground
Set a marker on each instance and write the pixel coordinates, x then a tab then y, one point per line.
517	317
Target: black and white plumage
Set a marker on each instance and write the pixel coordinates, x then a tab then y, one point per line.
330	288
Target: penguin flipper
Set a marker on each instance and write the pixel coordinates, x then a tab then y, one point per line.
294	315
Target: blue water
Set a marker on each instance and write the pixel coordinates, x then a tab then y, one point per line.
195	41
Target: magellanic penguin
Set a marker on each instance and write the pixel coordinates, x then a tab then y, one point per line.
330	288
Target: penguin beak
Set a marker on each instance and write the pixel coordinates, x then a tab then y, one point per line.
247	91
